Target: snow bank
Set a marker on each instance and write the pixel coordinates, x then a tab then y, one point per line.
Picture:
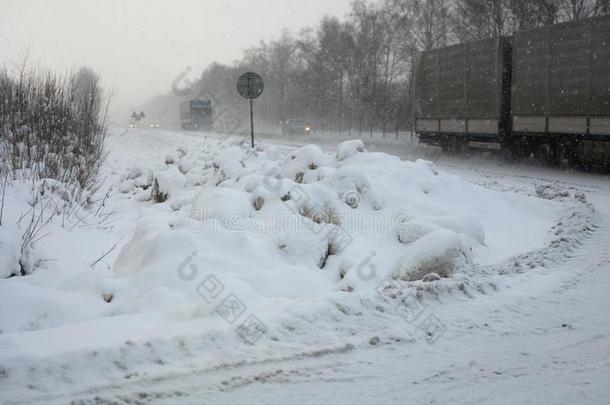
51	281
301	224
294	237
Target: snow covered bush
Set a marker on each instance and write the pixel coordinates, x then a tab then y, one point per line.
223	204
159	195
52	127
52	133
440	252
320	205
350	148
303	164
166	183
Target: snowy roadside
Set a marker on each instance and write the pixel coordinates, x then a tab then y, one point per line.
541	339
448	240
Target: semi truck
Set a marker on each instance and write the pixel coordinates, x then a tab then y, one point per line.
543	92
197	114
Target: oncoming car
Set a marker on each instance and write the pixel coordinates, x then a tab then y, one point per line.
296	127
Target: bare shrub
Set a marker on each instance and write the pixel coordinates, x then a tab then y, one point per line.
52	127
52	131
259	201
321	213
158	196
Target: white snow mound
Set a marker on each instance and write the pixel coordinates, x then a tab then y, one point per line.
289	233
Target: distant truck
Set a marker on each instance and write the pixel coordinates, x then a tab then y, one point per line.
544	92
197	114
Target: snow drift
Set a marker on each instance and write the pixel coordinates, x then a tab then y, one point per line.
277	229
273	226
216	243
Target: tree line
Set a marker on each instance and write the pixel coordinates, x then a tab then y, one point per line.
354	74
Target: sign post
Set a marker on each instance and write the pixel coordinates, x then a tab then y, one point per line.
252	121
250	85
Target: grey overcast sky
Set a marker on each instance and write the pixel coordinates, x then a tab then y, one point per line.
142	45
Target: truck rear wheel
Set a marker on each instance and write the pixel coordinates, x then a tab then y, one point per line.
544	151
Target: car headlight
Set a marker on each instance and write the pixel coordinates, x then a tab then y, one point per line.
307	129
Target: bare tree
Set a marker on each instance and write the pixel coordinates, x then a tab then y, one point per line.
527	14
429	22
601	7
476	19
575	9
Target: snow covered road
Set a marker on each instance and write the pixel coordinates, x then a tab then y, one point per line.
534	329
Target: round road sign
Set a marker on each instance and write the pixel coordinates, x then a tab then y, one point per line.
250	85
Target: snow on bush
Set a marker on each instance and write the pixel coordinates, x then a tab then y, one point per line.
176	156
319	204
166	183
350	148
226	205
303	164
186	165
153	271
441	252
137	178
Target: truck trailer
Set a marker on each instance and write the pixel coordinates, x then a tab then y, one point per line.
544	92
197	114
